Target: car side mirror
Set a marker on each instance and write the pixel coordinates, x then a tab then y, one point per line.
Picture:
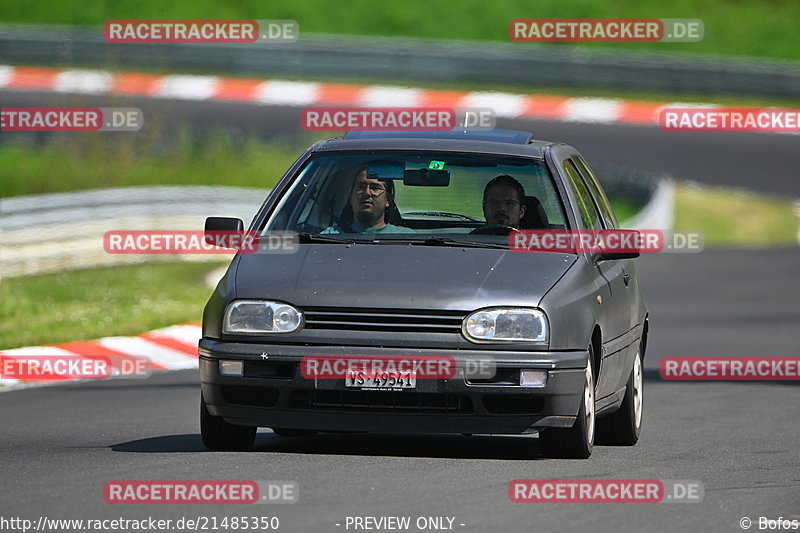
216	225
618	244
611	256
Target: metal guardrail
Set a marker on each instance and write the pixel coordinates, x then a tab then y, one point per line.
43	233
397	59
62	231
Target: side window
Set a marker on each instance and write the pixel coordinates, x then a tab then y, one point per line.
589	214
599	195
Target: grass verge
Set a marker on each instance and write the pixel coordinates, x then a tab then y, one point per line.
745	28
736	218
726	217
78	162
93	162
98	302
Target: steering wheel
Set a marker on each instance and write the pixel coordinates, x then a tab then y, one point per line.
493	229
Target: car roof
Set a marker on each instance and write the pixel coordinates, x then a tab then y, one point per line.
504	142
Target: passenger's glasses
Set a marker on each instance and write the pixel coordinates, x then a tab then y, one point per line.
374	188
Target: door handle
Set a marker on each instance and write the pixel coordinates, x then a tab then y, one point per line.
626	278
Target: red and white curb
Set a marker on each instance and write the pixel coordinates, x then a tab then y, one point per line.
172	348
301	94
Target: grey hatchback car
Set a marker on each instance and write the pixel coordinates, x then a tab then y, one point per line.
401	249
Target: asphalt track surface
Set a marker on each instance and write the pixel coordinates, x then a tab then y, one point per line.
60	445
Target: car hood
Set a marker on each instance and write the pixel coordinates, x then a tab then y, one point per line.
400	276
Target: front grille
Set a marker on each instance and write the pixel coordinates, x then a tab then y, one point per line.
253	396
386	320
381	401
516	404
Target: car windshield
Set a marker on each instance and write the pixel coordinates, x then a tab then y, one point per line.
410	197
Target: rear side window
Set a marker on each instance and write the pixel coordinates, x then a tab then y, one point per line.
589	214
602	200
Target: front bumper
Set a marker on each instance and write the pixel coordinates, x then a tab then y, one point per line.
272	392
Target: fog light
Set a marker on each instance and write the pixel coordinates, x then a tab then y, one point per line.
231	368
533	378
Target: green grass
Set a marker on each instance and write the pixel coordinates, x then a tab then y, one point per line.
741	27
92	303
83	161
623	209
736	218
87	161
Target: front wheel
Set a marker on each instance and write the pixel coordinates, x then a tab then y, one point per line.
220	435
575	442
622	427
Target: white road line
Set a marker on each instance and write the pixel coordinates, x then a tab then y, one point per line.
30	352
83	81
33	351
5	75
287	93
388	96
592	110
187	87
172	359
186	333
503	104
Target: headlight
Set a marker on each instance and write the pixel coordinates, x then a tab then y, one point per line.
506	324
257	317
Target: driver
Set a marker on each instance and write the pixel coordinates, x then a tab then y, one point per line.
503	201
370	203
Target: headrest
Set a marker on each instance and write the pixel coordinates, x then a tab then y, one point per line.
535	215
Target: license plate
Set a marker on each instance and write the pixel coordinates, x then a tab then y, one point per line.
380	380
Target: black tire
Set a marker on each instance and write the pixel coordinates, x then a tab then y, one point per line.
287	432
622	427
575	442
220	435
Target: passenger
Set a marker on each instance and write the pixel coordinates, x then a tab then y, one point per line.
370	208
503	201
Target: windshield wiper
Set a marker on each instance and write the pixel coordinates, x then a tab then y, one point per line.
317	238
447	241
305	238
332	238
443	214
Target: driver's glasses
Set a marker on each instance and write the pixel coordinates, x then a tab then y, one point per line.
375	189
508	204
